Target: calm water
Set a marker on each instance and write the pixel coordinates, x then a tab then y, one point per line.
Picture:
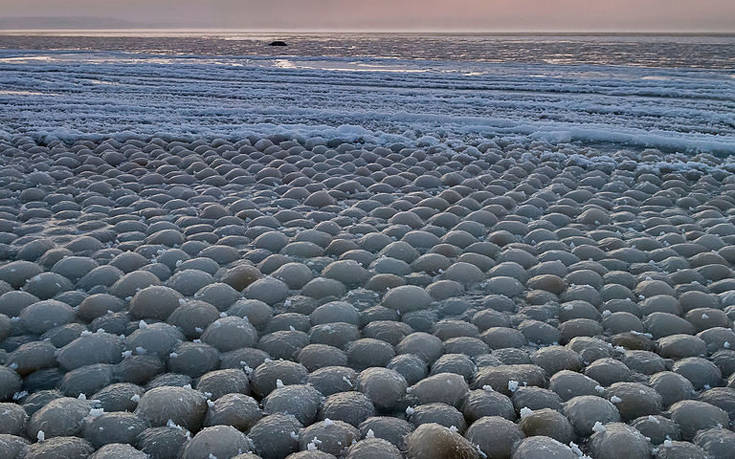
688	51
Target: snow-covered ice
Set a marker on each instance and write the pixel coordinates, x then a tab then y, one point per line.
69	94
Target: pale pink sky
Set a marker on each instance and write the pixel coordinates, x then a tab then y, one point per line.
551	15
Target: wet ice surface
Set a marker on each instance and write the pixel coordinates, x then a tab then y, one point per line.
708	51
65	94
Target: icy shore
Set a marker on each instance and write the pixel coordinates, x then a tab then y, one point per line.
69	95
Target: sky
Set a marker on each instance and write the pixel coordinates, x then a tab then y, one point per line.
471	15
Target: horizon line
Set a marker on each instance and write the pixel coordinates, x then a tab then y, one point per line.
369	30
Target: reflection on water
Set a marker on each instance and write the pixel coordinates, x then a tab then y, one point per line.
6	92
26	59
284	64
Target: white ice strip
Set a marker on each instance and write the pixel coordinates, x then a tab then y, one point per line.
69	95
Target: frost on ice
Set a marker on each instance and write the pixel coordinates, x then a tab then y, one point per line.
559	104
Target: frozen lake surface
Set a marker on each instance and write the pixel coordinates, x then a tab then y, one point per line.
371	246
675	93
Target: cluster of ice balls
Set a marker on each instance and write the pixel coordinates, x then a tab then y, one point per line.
304	298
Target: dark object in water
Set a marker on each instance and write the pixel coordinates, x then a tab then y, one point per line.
278	43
